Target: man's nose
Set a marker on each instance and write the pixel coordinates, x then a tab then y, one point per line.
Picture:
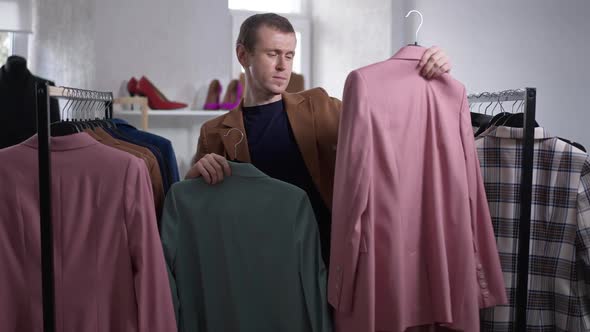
280	64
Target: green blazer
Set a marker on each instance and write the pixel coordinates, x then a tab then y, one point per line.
244	255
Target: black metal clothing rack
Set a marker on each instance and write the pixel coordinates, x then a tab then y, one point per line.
529	96
44	92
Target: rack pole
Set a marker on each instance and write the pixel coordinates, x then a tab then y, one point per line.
526	186
43	128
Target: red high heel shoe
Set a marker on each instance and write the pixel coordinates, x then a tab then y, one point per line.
132	86
156	99
233	95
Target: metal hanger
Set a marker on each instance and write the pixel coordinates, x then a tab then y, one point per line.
80	111
72	110
91	115
521	106
498	103
486	110
494	108
63	111
236	146
101	123
515	102
501	107
419	26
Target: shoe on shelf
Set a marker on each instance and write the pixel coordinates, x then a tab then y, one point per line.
233	95
213	95
156	99
132	86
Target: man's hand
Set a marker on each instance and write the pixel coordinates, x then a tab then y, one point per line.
212	167
434	63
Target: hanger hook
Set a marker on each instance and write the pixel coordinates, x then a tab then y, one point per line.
520	106
100	110
419	26
515	102
72	101
501	107
64	110
486	110
236	146
495	105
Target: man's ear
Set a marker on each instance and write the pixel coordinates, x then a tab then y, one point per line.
242	55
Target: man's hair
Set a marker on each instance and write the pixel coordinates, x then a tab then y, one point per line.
249	29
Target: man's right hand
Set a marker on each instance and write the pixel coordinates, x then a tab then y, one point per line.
212	167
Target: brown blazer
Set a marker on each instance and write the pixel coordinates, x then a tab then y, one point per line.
314	118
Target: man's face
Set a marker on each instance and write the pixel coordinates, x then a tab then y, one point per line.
271	63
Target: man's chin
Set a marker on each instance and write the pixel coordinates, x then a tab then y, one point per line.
277	90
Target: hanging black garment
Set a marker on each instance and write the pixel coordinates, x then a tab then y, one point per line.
18	119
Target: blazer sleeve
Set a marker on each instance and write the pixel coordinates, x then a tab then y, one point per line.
154	303
169	234
312	271
487	261
351	191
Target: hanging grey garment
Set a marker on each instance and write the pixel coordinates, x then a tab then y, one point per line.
244	255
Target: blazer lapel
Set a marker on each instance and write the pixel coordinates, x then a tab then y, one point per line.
302	122
234	137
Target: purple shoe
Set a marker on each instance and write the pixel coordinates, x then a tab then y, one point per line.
233	95
213	95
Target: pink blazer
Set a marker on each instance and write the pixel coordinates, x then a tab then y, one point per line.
110	273
412	239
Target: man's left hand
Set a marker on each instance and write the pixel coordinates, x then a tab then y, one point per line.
434	63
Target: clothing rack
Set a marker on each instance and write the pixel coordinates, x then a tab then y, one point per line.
527	95
143	107
80	98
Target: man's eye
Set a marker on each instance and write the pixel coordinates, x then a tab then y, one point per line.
272	54
290	57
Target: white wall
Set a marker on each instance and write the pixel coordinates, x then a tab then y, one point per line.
181	45
61	46
493	45
348	34
496	45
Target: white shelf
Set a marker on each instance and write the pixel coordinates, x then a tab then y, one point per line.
201	113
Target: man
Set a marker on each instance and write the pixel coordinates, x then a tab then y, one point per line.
290	137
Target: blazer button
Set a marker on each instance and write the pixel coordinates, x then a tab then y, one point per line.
479	266
484	284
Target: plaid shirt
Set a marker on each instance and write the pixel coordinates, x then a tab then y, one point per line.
559	263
